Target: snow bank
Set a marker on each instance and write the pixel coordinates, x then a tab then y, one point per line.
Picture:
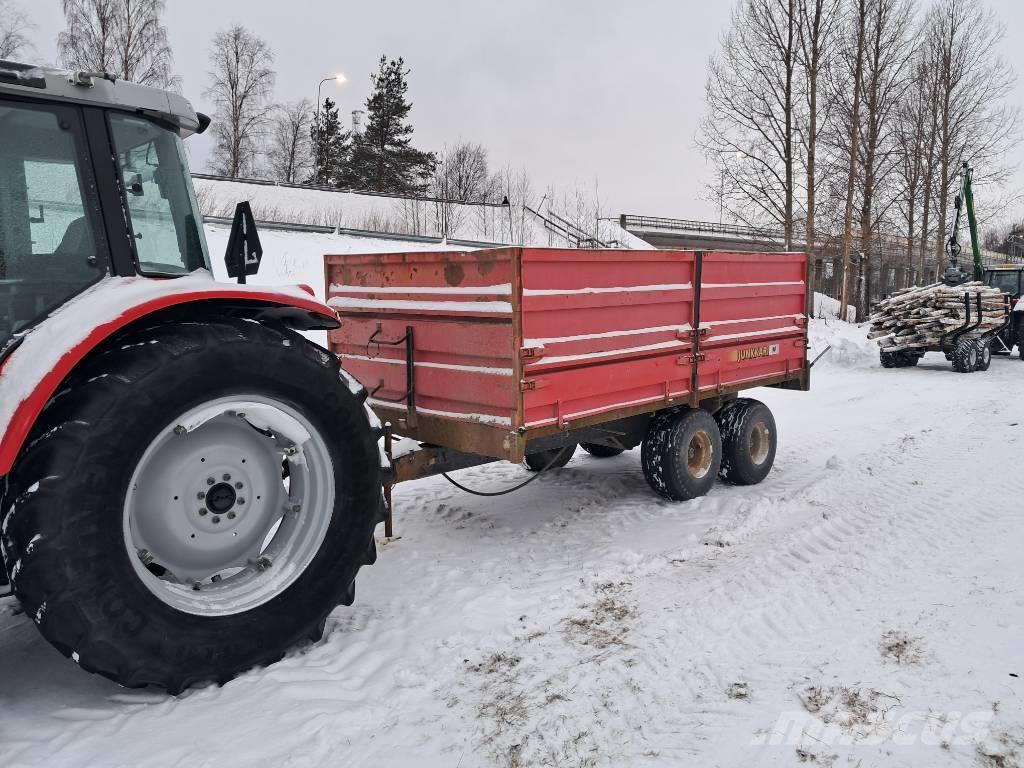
826	306
488	223
848	343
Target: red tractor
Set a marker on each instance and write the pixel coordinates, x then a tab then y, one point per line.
188	485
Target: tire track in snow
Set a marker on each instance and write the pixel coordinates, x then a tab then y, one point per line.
776	593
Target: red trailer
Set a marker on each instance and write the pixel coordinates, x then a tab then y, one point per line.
523	353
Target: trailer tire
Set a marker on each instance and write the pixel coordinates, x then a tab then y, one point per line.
69	529
541	460
908	359
682	453
599	451
984	355
749	441
965	356
888	359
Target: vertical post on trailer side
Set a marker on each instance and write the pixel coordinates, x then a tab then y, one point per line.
389	529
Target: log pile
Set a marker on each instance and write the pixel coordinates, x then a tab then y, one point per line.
920	316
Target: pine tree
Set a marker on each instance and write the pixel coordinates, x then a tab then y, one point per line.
383	158
331	147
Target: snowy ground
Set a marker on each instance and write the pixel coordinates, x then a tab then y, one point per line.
862	607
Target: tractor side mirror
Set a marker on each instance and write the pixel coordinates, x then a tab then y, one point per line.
244	252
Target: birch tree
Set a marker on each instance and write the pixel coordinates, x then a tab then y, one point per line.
120	37
749	128
858	23
817	33
289	156
14	30
241	83
974	122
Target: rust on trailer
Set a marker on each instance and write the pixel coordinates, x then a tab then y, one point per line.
512	345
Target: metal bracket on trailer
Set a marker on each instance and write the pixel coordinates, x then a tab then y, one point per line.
409	398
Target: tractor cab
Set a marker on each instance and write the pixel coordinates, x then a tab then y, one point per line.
1007	278
89	187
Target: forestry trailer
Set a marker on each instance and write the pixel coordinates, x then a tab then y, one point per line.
966	317
188	486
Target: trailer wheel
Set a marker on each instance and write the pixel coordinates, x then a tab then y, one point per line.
984	355
599	451
907	359
682	453
541	460
965	356
194	503
888	359
749	441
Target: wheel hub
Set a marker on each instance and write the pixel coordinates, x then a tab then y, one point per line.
699	454
220	498
760	443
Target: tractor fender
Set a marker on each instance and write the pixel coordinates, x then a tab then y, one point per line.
53	348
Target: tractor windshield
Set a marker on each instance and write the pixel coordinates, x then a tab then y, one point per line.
162	209
1006	280
50	231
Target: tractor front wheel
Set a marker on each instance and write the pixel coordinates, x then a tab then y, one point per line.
194	503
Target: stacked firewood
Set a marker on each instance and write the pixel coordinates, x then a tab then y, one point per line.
919	317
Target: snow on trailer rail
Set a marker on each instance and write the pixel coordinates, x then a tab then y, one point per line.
508	353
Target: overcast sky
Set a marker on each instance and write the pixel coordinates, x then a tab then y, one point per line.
577	91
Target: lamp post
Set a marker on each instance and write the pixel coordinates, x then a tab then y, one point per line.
340	79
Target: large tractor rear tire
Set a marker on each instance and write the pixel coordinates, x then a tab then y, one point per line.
193	503
682	453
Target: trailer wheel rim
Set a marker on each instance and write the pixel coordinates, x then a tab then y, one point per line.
760	443
699	454
229	505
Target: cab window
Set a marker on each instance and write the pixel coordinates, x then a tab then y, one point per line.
164	218
51	246
1007	280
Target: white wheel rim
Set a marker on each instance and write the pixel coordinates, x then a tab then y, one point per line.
207	504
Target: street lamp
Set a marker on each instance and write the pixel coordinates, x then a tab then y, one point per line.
340	79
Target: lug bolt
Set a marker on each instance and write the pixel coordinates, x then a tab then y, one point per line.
296	507
216	578
232	515
240	500
263	563
291	451
180	430
227	478
239	486
210	481
196	586
215	519
200	496
203	512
